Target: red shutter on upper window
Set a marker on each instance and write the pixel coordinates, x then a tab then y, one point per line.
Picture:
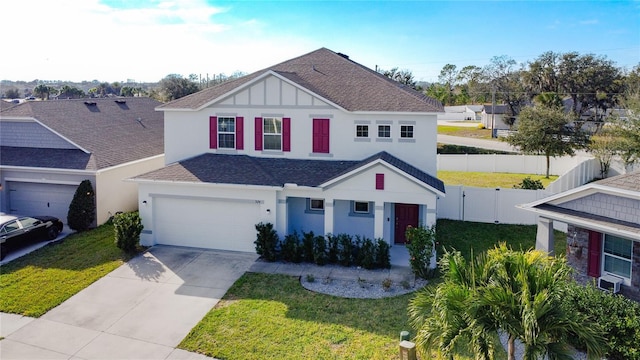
286	134
321	136
239	133
258	132
379	181
213	132
594	253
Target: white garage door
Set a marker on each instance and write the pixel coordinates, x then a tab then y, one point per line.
28	198
224	224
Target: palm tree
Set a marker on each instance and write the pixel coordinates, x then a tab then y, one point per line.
42	91
518	293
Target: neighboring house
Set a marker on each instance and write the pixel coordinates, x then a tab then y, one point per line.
316	143
461	113
48	147
603	238
494	117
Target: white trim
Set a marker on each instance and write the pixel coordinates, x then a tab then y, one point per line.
42	181
206	198
49	170
204	184
129	163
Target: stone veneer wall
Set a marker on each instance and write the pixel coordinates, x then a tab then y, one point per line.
579	261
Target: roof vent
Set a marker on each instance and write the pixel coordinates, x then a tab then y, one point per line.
344	55
90	103
121	101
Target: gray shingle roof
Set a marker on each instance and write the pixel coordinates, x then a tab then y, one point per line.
247	170
109	128
629	181
46	158
344	82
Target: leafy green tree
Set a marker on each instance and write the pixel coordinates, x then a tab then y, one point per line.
12	93
505	79
43	91
402	76
518	293
70	92
448	78
473	84
82	210
547	131
174	86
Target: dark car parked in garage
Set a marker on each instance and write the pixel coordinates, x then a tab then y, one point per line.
17	231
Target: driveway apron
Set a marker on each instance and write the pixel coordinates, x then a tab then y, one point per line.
142	310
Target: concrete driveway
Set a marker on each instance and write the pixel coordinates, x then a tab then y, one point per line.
142	310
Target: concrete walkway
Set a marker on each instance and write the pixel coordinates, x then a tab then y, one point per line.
142	310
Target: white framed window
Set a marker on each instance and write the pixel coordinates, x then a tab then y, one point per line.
617	253
384	131
406	131
272	133
362	131
226	132
316	204
360	207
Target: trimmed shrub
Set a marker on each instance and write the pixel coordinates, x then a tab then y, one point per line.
356	251
367	254
319	250
618	316
383	256
345	251
266	241
291	249
82	210
420	243
529	184
333	249
307	246
127	228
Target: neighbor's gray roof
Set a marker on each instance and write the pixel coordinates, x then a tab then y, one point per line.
629	181
72	159
247	170
109	130
498	109
334	77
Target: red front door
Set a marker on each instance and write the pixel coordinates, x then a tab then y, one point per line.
406	214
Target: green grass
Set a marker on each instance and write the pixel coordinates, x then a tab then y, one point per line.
39	281
465	131
272	317
489	180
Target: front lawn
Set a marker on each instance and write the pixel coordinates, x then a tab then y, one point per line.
465	131
273	317
489	180
39	281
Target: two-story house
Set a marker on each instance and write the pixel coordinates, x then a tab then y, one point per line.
317	143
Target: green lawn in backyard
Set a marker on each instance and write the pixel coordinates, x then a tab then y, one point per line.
489	180
465	131
273	317
39	281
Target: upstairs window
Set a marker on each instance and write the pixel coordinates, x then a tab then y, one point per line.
272	133
384	131
406	131
226	132
362	131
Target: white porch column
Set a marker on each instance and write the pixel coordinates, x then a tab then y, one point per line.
328	216
430	216
378	228
544	237
282	215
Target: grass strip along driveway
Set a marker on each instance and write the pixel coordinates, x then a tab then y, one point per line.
272	317
39	281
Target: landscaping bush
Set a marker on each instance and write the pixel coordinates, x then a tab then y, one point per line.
367	254
383	256
266	241
345	243
291	249
307	246
82	210
529	184
420	243
320	250
127	228
333	249
618	316
356	253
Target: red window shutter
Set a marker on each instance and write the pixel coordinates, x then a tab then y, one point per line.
213	132
595	253
286	134
239	133
379	181
321	136
258	131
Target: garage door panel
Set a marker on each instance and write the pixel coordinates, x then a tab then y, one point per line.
40	199
225	225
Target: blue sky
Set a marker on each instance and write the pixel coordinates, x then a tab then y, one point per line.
115	40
